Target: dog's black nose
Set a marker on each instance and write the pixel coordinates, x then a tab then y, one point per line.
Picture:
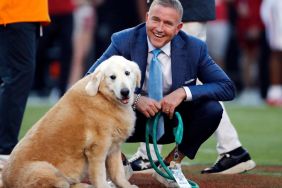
124	92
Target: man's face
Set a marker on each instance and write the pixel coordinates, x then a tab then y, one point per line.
162	24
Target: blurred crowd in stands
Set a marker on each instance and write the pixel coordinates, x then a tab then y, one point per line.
245	39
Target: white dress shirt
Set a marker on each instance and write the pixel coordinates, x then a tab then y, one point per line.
165	59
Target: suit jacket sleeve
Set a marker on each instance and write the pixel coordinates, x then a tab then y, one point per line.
216	84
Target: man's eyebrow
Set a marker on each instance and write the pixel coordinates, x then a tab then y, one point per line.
168	22
155	17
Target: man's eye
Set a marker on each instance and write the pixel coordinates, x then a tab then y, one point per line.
113	77
127	73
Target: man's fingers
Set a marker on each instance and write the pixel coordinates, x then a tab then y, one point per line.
151	110
170	114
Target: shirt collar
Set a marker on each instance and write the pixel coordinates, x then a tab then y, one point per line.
165	48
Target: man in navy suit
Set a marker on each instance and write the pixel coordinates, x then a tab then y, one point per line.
183	59
232	156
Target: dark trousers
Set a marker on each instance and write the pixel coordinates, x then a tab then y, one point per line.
59	34
17	65
200	120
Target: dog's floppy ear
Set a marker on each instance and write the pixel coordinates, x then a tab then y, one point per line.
93	85
137	72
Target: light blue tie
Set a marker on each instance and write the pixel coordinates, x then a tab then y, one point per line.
155	87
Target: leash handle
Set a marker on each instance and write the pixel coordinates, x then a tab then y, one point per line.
178	134
168	174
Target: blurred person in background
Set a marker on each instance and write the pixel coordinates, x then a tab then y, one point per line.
232	157
83	34
249	29
20	26
218	33
113	16
233	53
271	13
55	51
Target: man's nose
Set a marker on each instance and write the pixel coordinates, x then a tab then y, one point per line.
160	27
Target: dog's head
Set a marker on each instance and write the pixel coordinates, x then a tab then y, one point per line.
115	78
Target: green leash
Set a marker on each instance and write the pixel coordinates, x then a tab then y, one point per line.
178	134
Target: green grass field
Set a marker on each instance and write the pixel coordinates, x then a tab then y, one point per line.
259	129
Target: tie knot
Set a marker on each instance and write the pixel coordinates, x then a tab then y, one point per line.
156	52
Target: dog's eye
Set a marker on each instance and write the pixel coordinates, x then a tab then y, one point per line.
113	77
127	73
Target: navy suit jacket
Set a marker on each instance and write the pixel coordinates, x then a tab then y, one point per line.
189	61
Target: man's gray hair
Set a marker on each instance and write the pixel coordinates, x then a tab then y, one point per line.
175	4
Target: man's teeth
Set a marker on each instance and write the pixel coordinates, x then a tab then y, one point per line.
158	35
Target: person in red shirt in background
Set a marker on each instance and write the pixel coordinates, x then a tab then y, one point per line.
249	29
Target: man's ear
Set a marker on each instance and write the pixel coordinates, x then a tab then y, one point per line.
147	17
93	85
179	27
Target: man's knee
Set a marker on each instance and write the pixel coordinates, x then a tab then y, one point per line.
207	110
214	109
201	110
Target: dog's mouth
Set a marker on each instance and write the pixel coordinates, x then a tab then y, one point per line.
124	100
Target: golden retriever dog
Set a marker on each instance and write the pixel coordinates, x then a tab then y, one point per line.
81	135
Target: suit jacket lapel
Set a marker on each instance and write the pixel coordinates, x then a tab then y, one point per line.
178	62
139	51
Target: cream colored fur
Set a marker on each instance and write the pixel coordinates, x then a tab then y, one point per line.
80	135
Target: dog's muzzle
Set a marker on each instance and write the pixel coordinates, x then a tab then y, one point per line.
125	95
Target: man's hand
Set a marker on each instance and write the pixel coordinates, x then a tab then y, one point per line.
149	107
171	101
